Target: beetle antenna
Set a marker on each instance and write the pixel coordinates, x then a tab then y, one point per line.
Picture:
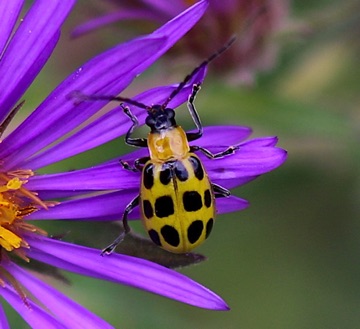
197	69
83	97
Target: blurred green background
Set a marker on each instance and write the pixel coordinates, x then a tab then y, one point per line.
291	260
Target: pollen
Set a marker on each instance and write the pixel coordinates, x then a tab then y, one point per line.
16	202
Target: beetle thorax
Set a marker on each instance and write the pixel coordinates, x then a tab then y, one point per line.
168	144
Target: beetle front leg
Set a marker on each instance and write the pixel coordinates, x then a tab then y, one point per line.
138	142
138	164
230	150
194	114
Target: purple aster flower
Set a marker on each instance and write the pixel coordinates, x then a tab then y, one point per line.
256	21
39	141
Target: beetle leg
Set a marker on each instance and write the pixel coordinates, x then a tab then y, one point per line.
110	248
138	142
138	164
194	114
219	191
207	153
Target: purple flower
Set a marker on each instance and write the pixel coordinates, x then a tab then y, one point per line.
256	22
39	141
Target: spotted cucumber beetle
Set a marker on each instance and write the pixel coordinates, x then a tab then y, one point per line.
177	198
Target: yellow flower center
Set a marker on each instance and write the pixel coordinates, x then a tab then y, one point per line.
16	202
8	214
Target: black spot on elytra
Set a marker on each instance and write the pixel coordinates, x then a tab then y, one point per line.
170	235
195	230
192	201
154	236
181	172
148	210
165	173
148	176
164	206
197	166
209	226
207	198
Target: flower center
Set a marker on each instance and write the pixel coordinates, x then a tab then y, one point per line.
16	202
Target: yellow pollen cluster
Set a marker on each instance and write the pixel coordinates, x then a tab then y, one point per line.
16	202
8	214
12	211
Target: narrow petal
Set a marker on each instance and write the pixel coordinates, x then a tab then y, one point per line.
24	57
9	13
117	16
125	270
35	316
4	324
109	206
245	162
164	6
105	74
108	176
260	142
70	314
56	194
227	182
230	204
223	135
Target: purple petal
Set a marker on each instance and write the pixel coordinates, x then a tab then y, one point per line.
245	162
223	135
108	176
70	314
166	7
230	204
35	316
108	73
227	182
260	142
243	167
9	13
4	324
122	15
29	49
125	270
55	194
178	26
109	206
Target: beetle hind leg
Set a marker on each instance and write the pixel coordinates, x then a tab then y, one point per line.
220	192
110	248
